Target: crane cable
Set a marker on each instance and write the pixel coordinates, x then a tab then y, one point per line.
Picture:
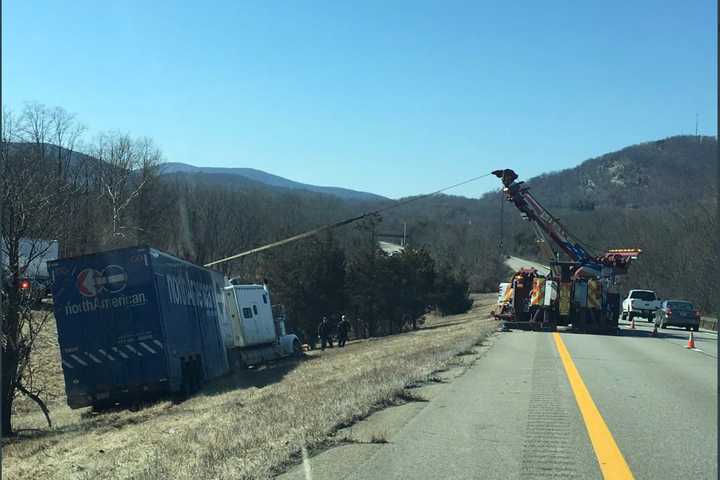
340	223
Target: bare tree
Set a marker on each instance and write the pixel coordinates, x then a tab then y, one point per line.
65	132
127	166
31	202
34	128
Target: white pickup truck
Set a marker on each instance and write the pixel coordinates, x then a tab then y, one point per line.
640	303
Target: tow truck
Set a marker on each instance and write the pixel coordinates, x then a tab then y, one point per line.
580	292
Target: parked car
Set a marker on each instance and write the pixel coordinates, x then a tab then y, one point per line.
640	303
34	281
678	313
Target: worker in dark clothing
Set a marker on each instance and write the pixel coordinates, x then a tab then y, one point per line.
343	328
324	334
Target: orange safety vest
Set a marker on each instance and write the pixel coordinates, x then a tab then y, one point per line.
594	294
537	294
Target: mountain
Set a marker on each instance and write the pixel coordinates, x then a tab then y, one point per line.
228	176
652	174
58	157
669	172
52	155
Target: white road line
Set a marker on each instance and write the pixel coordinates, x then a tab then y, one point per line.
93	357
79	360
132	349
121	353
67	364
158	343
142	344
106	354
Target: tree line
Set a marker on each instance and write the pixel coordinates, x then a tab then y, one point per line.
380	294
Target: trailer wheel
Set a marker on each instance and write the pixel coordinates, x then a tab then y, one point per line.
197	377
101	406
188	372
297	349
238	363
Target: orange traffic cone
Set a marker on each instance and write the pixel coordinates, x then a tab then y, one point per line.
632	323
691	341
654	332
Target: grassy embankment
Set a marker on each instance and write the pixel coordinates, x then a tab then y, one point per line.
250	425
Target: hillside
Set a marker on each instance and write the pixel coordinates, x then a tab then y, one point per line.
55	158
650	174
675	171
229	176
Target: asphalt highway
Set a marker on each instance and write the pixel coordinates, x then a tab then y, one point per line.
560	405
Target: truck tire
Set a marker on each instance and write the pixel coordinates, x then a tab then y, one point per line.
624	315
184	392
189	377
696	328
101	406
197	374
297	349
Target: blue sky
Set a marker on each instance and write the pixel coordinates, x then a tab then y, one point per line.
396	98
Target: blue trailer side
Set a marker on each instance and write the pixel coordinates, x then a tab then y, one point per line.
190	299
134	321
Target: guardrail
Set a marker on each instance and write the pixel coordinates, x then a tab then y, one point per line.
709	323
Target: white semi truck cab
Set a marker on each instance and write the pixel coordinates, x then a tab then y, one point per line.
252	335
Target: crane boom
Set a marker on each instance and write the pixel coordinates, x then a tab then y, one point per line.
618	260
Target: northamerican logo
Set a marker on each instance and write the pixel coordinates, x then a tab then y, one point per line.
111	279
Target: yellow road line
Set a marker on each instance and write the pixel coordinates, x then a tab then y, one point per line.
611	460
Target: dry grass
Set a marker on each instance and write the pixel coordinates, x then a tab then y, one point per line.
251	432
46	362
